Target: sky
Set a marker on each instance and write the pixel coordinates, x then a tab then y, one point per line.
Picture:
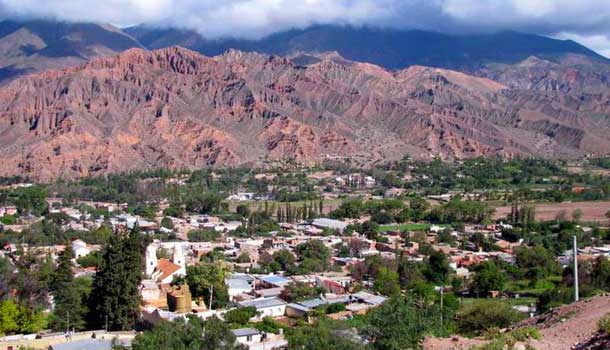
586	21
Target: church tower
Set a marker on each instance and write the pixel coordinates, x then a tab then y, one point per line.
178	257
151	260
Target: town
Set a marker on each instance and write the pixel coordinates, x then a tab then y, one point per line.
289	257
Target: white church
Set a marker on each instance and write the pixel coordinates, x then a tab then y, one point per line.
163	271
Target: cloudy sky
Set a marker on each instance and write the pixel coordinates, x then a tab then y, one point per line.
586	21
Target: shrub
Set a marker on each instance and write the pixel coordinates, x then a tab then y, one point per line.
484	315
526	333
241	315
334	308
604	324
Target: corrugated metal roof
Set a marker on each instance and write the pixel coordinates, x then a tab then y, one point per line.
263	302
244	332
275	279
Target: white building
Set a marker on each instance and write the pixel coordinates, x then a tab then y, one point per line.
80	248
239	284
266	307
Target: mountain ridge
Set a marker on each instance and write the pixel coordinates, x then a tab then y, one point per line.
390	48
175	108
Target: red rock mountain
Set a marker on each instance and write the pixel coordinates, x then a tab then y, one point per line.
176	108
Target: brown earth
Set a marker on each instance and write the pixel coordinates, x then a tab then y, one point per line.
591	211
561	329
176	108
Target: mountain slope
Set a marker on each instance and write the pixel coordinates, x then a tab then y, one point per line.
176	108
31	46
389	48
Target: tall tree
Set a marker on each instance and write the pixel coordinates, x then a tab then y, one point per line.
70	305
115	297
205	279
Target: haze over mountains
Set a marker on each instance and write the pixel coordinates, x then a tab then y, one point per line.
524	95
27	46
32	46
389	48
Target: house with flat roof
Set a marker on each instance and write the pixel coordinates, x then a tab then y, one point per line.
323	223
266	307
274	281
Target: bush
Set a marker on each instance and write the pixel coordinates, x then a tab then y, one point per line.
8	220
240	316
268	325
484	315
526	333
93	259
205	235
604	324
334	308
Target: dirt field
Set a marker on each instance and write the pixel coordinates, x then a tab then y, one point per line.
594	171
591	211
560	329
572	324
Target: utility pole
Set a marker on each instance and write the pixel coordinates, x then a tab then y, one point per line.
576	297
211	294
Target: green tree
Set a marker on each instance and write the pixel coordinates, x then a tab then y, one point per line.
349	209
484	315
243	258
409	273
370	229
206	278
240	316
207	203
93	259
194	334
298	291
400	324
167	223
314	250
419	207
242	210
437	267
16	318
115	293
488	277
600	274
70	299
323	335
284	261
9	317
203	235
387	282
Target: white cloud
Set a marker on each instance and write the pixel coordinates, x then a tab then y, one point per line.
588	20
599	43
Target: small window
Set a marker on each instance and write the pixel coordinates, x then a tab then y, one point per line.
249	338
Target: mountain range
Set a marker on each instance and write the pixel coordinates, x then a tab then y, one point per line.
116	106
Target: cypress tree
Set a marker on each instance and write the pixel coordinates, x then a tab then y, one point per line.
115	297
321	206
70	307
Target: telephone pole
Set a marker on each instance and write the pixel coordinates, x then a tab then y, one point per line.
211	294
576	297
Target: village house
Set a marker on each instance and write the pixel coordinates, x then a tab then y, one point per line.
266	307
239	284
